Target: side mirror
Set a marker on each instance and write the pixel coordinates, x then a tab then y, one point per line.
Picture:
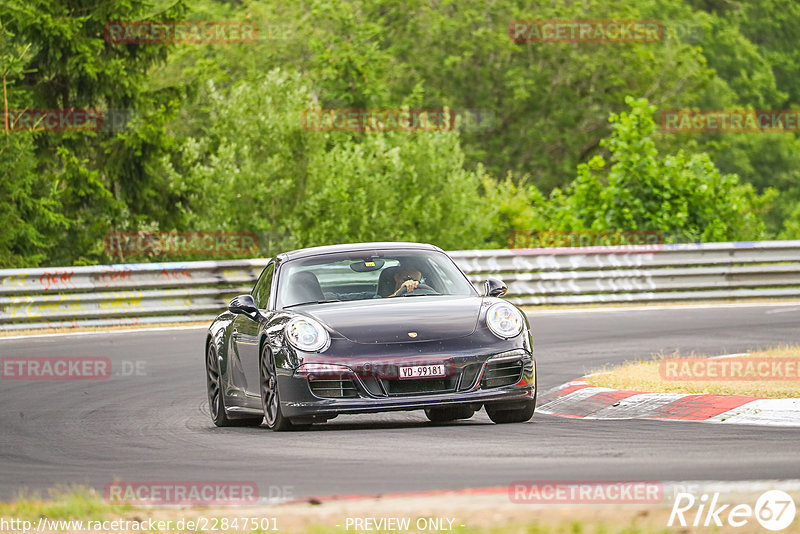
495	287
244	304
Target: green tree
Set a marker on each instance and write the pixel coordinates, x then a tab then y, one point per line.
256	169
29	209
791	226
103	179
540	108
751	47
682	195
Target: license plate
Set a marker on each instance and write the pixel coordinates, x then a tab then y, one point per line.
422	371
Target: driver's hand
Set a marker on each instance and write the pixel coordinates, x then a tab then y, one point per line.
410	285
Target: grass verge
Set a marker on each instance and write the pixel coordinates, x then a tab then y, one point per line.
652	376
470	514
62	503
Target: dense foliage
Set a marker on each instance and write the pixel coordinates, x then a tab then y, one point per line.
558	136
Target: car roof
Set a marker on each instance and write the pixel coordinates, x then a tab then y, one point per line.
355	247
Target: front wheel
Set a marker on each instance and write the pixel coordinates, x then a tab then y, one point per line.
511	413
216	399
270	398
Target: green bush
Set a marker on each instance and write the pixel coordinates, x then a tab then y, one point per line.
256	169
683	196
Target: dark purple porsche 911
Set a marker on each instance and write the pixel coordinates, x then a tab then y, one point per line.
368	327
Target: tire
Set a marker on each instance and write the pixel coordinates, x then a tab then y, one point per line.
216	400
515	412
449	413
270	397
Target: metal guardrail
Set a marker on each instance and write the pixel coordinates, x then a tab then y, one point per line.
189	291
121	294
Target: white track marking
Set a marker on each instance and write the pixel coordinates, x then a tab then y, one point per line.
662	308
107	332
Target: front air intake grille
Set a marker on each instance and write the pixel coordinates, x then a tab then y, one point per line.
502	374
469	375
333	389
421	386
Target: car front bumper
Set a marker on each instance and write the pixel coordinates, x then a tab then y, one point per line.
372	387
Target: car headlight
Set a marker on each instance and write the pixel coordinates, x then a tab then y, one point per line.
307	335
504	320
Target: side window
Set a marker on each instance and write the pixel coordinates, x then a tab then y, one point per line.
262	287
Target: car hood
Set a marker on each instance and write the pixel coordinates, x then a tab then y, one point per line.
396	320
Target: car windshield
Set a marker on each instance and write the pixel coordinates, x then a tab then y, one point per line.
369	275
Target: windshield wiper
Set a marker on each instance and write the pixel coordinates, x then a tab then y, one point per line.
312	302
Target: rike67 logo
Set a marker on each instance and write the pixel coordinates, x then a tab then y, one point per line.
774	510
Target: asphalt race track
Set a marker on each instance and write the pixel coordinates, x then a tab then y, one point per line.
154	425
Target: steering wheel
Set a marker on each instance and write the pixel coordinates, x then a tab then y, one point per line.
422	289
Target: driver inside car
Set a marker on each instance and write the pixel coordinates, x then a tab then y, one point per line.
406	280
